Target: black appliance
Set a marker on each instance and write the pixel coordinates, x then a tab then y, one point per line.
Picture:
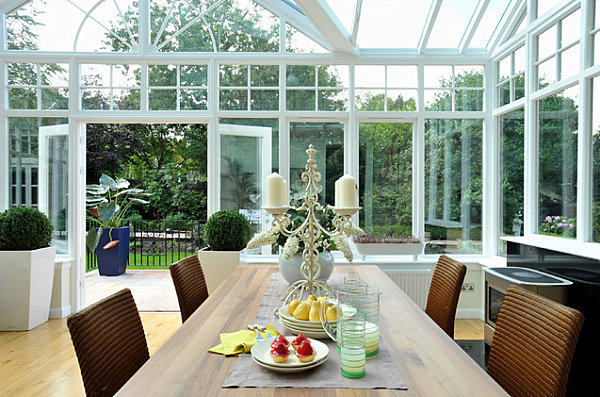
583	295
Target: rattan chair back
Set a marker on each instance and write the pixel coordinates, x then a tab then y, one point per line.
190	285
110	344
533	344
445	288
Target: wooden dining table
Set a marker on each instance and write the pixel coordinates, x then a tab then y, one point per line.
430	362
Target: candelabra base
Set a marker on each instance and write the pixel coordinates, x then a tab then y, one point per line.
296	290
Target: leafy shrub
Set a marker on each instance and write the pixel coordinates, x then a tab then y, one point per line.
24	228
559	226
227	230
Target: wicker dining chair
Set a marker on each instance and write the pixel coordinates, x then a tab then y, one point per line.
109	341
442	300
533	344
190	285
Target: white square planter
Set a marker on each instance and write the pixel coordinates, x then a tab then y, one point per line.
217	265
413	249
25	288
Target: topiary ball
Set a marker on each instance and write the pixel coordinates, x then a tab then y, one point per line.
227	230
24	229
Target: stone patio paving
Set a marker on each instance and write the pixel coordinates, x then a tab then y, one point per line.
152	289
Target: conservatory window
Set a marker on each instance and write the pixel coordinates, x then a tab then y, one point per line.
297	42
385	177
249	87
596	160
178	87
110	87
543	6
39	160
386	87
558	51
557	184
328	139
454	88
453	185
510	83
73	25
512	149
312	87
38	86
595	33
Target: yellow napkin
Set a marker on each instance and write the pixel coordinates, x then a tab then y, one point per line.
240	341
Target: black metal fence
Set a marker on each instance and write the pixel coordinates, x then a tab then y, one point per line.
154	243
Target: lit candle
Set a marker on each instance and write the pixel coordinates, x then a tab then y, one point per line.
276	191
347	191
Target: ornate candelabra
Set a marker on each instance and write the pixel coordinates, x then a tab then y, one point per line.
310	230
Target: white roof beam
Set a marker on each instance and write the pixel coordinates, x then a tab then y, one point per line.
429	22
328	25
473	25
356	20
507	22
294	18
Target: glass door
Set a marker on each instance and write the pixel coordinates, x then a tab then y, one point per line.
244	163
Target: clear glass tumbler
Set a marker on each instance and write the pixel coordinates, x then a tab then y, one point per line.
351	338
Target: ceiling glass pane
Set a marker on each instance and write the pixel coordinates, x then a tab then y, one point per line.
344	10
451	22
392	23
545	5
493	15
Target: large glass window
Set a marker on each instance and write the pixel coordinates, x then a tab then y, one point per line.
385	178
510	83
249	87
512	140
38	86
558	50
453	186
312	87
557	185
596	160
386	88
454	88
39	170
328	139
110	87
177	87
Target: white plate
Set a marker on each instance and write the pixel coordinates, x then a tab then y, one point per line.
291	370
262	352
298	326
285	315
308	333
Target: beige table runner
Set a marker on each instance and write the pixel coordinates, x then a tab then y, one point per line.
381	372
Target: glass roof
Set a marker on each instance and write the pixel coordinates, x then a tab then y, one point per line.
402	24
346	26
379	25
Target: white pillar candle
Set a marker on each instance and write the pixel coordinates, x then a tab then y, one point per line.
347	191
337	193
276	190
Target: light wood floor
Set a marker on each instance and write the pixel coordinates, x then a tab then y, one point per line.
42	362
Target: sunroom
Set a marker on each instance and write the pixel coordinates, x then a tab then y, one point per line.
468	127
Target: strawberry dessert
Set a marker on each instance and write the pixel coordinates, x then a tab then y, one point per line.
305	352
280	339
280	353
298	341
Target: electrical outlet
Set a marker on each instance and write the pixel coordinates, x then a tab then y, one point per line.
468	287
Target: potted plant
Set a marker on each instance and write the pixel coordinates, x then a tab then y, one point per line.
388	244
109	202
290	257
26	268
226	233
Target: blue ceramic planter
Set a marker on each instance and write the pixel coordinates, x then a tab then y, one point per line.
113	261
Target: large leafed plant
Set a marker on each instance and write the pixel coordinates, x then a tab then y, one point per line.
109	202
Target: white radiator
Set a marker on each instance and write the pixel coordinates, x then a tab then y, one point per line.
414	282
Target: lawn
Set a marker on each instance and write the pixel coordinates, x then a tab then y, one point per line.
154	261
